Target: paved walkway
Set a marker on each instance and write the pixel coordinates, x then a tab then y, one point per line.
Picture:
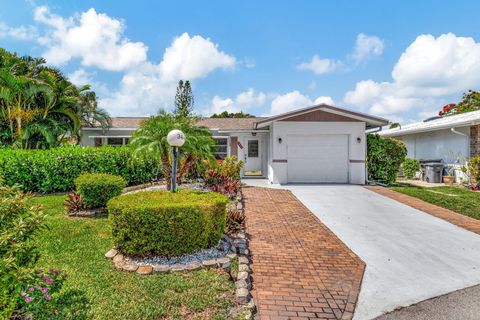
301	270
457	219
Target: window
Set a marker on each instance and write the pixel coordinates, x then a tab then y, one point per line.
115	142
97	142
221	148
253	148
126	140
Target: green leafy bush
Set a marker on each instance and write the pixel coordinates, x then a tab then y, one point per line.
230	167
384	157
409	167
160	222
96	189
55	169
19	224
474	168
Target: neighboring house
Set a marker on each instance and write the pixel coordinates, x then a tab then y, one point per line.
318	144
452	139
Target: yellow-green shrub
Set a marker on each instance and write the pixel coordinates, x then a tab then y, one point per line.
97	188
160	222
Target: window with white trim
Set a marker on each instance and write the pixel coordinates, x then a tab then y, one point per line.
221	148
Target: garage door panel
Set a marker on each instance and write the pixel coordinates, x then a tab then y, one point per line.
318	158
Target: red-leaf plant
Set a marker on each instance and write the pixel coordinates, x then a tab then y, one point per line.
74	202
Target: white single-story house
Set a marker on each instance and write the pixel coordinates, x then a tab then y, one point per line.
318	144
451	139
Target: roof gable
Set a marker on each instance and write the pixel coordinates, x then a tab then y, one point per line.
324	112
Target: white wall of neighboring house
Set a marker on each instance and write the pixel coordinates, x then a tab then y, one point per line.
355	157
89	135
452	148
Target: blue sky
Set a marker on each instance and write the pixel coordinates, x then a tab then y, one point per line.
400	60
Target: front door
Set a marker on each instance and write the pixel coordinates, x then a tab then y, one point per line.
253	157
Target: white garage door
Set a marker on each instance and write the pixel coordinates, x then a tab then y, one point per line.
319	158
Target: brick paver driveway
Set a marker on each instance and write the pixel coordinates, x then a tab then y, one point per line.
301	270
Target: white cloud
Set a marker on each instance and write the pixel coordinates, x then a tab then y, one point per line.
244	101
295	100
320	66
427	73
325	100
193	57
366	47
18	33
95	38
80	77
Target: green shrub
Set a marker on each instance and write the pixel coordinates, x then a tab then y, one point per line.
474	168
384	157
19	224
97	188
160	222
55	169
230	167
409	167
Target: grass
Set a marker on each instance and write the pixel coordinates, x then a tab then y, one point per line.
95	290
457	199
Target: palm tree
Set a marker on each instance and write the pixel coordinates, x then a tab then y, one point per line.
150	140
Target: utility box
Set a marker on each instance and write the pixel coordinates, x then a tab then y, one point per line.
433	172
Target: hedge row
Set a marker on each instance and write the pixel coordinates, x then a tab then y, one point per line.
170	224
55	169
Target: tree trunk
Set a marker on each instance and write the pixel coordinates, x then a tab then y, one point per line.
167	170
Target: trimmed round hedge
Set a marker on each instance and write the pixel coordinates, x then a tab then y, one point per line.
164	223
97	188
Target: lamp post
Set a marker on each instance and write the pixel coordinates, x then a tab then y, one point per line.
176	139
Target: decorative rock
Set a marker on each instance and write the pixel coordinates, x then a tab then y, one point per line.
144	270
239	205
118	258
227	238
193	266
243	267
246	252
161	268
242	260
242	295
241	235
178	268
242	275
209	263
231	256
242	284
129	267
239	242
111	253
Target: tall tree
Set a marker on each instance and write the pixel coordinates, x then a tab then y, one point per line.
226	114
183	99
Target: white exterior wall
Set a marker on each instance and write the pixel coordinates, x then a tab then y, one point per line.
277	172
88	135
452	148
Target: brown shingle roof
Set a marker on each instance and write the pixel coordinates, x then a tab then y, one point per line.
228	123
212	123
127	122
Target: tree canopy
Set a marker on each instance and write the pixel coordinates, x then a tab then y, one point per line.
40	107
470	102
226	114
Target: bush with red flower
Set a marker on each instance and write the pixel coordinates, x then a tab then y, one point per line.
470	102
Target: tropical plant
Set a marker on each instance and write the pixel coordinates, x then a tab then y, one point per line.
40	107
221	183
73	203
150	141
230	167
474	168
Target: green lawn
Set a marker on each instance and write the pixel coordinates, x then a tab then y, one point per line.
95	290
456	199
